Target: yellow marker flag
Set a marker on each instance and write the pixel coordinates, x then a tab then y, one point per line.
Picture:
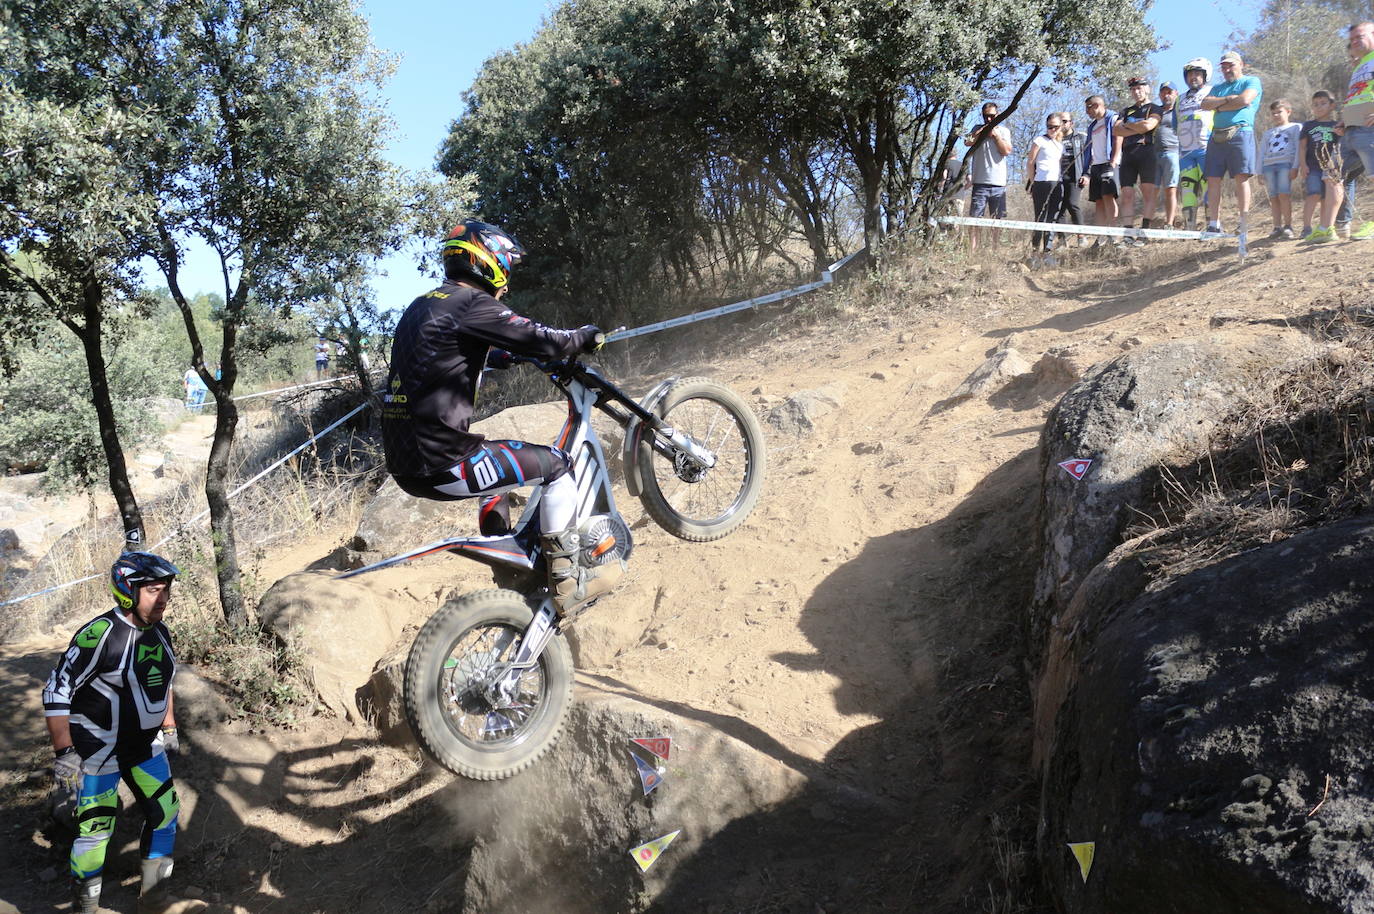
1083	853
647	853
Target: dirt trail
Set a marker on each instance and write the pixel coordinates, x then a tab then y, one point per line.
863	627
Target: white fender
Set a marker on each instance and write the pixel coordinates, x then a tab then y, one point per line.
630	449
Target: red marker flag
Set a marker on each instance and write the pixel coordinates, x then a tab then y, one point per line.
658	745
1077	467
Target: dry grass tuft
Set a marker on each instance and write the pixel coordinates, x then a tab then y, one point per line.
1297	457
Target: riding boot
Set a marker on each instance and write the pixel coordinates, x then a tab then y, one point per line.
86	895
572	581
153	894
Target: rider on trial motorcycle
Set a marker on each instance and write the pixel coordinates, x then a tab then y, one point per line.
442	343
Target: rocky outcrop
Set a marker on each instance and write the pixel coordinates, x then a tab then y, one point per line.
1151	406
558	837
340	627
797	415
1214	737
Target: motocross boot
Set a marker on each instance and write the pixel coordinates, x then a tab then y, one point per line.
153	895
572	581
86	895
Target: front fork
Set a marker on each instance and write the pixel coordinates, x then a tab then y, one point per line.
502	678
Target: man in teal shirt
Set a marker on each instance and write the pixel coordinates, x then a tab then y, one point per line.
1231	149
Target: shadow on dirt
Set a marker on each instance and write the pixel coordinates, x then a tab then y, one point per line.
935	811
928	809
387	861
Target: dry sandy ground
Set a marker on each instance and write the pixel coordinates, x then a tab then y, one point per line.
863	627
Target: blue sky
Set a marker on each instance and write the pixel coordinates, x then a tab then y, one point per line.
440	50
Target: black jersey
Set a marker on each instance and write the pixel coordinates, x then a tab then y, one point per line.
437	359
1137	113
114	682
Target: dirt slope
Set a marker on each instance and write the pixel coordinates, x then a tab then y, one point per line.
864	627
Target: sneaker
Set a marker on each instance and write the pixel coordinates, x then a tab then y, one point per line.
1321	236
1213	228
1364	232
1306	231
1288	233
1276	234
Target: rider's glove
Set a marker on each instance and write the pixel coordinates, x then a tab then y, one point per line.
170	744
499	359
66	770
592	338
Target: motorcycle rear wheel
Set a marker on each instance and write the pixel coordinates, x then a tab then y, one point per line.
691	503
452	719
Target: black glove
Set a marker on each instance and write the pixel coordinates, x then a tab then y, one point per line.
499	360
592	338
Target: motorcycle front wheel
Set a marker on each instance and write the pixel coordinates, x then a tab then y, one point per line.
459	720
696	503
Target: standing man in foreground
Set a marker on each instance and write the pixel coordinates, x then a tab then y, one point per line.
108	707
1236	101
1359	99
989	198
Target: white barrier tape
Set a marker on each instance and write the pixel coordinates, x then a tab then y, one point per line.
1086	229
206	513
827	277
264	393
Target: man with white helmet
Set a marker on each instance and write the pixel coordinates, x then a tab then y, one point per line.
1194	130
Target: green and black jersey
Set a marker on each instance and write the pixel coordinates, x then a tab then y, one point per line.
114	682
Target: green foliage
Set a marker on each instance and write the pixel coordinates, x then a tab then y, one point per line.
636	146
1298	47
47	421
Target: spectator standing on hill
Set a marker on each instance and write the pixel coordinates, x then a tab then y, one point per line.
1101	156
1354	170
1279	166
195	390
321	358
1166	156
1194	133
1359	137
1136	127
1042	178
1231	151
991	145
1070	170
1319	148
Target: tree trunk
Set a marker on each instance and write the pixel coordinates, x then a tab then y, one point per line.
92	296
222	537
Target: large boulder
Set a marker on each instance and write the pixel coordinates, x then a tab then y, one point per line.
1152	406
558	837
341	628
1214	738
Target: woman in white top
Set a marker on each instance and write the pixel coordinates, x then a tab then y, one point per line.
1042	178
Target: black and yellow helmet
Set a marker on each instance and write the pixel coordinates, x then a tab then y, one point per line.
134	568
482	252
